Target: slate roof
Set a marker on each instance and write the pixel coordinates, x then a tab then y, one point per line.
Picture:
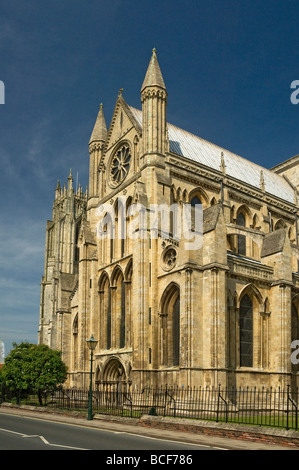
273	242
195	148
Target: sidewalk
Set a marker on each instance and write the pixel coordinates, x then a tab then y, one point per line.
221	435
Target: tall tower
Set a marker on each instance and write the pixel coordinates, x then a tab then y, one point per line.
61	259
154	104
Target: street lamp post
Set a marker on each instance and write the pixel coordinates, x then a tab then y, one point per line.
91	343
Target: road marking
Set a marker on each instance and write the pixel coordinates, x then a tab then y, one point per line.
103	429
42	438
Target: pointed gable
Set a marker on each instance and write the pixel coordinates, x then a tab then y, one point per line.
123	119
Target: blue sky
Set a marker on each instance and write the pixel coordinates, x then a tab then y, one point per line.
227	66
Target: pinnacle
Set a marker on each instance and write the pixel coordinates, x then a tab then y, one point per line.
100	129
153	75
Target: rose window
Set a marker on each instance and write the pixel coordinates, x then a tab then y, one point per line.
169	258
120	164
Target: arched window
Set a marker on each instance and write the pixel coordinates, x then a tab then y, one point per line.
294	331
107	232
170	325
246	331
195	200
122	334
108	317
119	308
279	224
105	312
176	331
77	231
241	220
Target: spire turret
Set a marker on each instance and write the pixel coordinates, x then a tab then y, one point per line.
154	103
96	146
99	132
153	77
70	181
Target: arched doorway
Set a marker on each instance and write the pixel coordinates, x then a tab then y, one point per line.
114	381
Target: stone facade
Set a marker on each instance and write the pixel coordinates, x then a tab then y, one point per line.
226	312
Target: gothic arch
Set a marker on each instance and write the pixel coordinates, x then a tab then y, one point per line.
129	271
75	324
114	379
167	294
179	194
113	370
103	279
117	271
251	289
170	326
253	328
255	221
119	307
185	195
279	224
244	209
201	194
295	325
105	326
120	211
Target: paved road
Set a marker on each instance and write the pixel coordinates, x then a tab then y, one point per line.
27	433
31	429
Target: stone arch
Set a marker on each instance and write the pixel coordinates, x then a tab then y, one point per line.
295	324
120	211
201	194
103	278
113	370
114	379
185	195
280	224
253	333
255	221
179	194
170	325
119	307
105	326
117	271
244	209
129	271
251	289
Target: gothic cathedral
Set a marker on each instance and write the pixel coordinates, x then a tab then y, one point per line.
221	312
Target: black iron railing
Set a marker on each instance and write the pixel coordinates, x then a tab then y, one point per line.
254	406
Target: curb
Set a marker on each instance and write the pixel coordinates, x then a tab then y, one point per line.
282	437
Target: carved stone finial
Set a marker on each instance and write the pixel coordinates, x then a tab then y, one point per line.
222	164
262	181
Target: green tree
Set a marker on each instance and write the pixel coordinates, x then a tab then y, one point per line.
31	368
